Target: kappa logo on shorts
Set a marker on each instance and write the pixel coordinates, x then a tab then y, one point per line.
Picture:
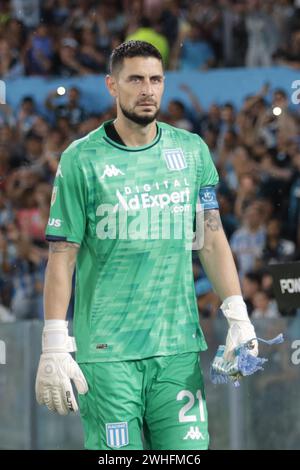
194	433
117	434
175	159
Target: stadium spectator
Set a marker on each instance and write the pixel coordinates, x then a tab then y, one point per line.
229	220
10	63
276	249
70	109
262	35
255	151
176	115
290	55
195	51
27	11
91	55
294	202
248	241
234	33
246	193
264	307
72	39
27	274
251	284
27	115
67	62
147	32
39	52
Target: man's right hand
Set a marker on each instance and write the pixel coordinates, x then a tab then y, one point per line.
56	369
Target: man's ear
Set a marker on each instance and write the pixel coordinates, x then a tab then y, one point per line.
110	82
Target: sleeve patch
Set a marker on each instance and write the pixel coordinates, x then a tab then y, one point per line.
208	198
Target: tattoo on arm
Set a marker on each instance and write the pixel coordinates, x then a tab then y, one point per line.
212	220
62	247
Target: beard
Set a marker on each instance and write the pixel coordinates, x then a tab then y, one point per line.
143	120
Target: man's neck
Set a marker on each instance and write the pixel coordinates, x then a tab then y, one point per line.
135	135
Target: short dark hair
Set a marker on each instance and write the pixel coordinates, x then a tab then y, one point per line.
179	104
253	276
28	99
281	92
228	105
130	49
31	135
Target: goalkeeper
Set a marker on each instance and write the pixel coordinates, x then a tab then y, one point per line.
136	326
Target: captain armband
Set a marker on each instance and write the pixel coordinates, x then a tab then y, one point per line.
208	198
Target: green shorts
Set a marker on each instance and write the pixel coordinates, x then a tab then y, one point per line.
155	403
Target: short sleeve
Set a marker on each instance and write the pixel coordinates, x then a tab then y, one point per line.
67	219
208	175
208	178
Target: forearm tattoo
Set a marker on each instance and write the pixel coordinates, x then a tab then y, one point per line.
62	247
212	220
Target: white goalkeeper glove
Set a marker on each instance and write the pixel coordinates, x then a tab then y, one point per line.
241	330
53	385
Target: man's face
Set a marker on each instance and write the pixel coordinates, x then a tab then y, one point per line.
253	217
27	107
227	113
34	146
73	95
138	87
279	100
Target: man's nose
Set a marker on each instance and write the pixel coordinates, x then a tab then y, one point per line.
147	88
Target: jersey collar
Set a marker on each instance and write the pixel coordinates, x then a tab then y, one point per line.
132	149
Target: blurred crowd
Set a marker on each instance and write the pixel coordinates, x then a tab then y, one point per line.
256	151
257	154
75	37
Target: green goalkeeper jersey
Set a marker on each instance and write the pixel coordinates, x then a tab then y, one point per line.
133	211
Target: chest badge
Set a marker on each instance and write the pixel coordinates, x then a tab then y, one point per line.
175	159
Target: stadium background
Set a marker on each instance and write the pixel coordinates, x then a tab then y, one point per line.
232	70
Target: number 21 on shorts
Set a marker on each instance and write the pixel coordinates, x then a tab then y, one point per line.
183	418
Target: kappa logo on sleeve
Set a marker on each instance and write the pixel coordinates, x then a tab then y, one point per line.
59	172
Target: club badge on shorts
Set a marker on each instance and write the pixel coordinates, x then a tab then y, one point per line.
175	159
117	434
